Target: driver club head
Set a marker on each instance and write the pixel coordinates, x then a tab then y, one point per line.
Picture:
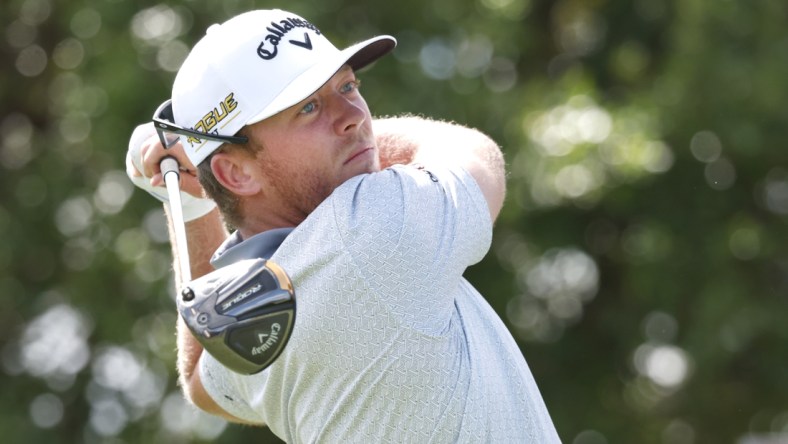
242	314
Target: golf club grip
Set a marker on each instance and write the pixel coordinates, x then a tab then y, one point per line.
169	165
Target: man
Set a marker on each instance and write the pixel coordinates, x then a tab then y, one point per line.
375	227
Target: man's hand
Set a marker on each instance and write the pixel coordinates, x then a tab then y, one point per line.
142	166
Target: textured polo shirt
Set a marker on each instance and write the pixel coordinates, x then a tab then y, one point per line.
391	343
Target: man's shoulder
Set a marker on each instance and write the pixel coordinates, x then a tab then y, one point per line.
399	178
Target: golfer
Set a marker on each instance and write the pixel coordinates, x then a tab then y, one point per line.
375	221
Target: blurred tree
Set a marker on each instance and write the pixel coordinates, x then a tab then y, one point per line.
640	260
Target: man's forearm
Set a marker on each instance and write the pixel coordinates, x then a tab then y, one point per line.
410	139
203	235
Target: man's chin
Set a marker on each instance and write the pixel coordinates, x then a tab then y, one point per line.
369	167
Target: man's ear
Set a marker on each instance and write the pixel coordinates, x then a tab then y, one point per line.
235	173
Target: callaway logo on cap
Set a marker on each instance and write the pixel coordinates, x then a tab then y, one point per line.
279	30
254	66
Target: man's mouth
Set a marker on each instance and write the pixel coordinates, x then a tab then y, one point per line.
357	154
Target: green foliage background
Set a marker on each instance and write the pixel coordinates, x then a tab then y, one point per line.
640	260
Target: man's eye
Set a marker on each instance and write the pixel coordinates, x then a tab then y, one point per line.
308	108
351	86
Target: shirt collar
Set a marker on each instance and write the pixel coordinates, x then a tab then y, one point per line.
262	245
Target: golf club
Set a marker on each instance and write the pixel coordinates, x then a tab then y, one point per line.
243	314
171	174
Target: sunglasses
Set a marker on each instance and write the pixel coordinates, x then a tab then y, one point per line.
168	131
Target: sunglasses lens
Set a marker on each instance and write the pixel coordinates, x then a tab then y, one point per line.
167	138
170	139
165	112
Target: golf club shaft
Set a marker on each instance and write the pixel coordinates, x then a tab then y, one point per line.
171	174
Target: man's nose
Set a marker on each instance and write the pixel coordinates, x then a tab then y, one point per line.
349	113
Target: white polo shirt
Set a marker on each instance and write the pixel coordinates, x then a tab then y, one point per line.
391	343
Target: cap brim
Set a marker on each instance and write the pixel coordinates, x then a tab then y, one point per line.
357	56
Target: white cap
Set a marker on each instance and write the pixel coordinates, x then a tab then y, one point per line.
253	66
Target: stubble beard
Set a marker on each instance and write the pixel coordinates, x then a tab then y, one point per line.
299	192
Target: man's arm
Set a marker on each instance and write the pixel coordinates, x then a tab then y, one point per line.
407	140
204	235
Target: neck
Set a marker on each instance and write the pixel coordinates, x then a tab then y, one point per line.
256	221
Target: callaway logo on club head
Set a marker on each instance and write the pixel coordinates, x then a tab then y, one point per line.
277	32
267	340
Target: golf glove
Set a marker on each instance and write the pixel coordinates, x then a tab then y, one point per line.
193	207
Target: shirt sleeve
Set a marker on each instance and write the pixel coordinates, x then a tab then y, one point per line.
226	388
412	233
